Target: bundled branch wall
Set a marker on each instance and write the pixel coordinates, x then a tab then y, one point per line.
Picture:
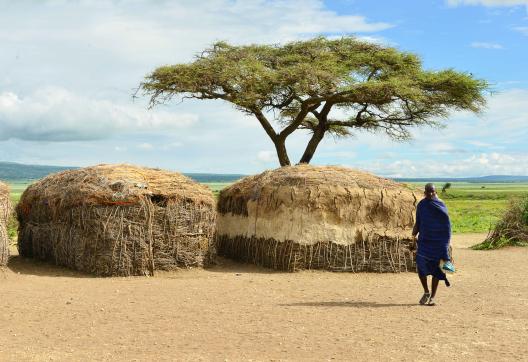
314	217
118	220
5	210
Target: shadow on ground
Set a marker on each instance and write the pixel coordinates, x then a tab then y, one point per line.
224	265
350	304
20	265
28	266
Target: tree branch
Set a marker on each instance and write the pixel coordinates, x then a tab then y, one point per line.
265	124
307	106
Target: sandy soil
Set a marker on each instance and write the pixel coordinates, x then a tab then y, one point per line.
237	312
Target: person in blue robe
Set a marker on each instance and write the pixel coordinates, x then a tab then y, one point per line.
433	228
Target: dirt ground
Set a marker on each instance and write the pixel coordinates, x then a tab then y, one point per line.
238	312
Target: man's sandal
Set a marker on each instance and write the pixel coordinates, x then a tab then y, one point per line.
431	302
425	298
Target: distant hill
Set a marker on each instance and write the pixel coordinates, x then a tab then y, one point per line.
11	171
214	177
481	179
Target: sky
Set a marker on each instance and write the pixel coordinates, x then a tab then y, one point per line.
69	70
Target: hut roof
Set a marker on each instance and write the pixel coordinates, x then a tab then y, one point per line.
308	185
120	184
309	175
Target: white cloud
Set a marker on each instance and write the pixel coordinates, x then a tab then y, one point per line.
489	3
444	148
474	165
266	156
376	40
338	154
55	114
145	146
485	45
104	49
172	31
502	123
491	143
522	29
479	143
172	145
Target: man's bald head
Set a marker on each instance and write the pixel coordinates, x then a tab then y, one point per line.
430	190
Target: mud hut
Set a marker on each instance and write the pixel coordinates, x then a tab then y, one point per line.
313	217
5	209
117	220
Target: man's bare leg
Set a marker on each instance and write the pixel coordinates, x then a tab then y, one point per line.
434	288
425	297
423	279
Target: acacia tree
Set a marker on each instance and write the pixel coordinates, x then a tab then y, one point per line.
297	85
446	187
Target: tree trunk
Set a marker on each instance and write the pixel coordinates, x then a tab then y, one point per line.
312	145
280	146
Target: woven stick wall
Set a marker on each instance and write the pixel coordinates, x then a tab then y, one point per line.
5	209
310	217
118	220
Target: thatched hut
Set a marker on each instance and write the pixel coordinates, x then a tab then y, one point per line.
308	217
5	209
117	220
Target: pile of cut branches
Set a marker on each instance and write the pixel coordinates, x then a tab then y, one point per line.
511	230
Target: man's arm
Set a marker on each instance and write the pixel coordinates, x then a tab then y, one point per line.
415	230
416	227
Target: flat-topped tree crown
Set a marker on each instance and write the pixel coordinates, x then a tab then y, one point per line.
296	85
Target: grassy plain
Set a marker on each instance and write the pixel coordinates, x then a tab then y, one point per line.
17	188
473	207
216	187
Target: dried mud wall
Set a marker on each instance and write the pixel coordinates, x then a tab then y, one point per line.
343	216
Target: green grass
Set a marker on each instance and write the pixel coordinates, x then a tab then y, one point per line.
473	207
489	245
471	216
216	187
480	191
17	188
476	207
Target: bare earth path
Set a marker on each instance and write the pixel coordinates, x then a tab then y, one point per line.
238	312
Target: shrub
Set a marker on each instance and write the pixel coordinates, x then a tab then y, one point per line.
511	230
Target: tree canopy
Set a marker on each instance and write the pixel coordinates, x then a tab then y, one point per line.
296	86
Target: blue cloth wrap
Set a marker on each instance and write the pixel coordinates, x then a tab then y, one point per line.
434	228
